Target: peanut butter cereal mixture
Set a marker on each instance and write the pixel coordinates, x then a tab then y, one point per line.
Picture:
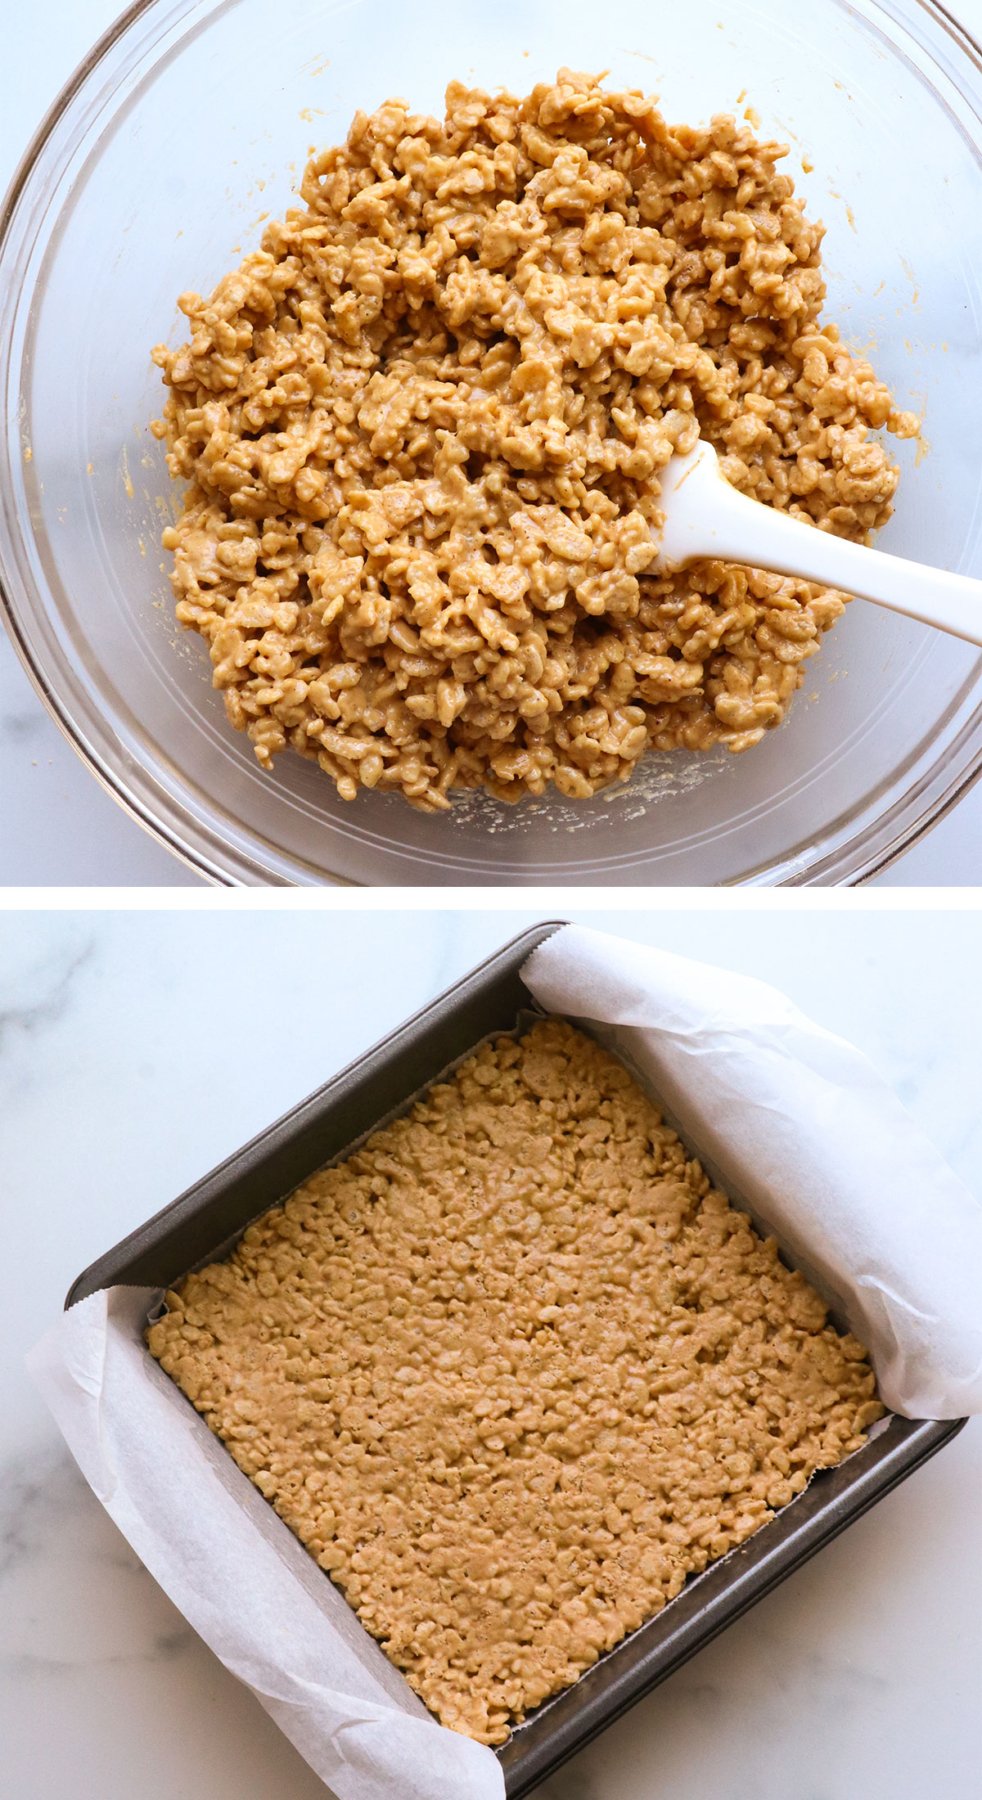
513	1371
423	425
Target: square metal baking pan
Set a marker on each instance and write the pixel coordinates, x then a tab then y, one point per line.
205	1222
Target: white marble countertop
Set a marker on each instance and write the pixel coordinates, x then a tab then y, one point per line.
136	1050
60	827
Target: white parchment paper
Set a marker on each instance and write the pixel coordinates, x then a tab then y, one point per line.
236	1572
801	1125
805	1133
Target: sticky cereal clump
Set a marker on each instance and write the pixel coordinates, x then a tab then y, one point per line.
423	425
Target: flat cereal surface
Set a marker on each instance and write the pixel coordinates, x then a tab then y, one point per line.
512	1371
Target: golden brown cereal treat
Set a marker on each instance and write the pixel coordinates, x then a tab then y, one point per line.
423	425
513	1371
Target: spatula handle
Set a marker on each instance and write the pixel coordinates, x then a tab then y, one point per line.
708	517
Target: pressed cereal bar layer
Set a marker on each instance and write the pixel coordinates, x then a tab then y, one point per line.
513	1370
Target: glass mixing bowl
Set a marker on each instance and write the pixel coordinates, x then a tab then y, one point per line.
189	122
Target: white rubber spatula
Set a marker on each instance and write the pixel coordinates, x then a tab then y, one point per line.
705	516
